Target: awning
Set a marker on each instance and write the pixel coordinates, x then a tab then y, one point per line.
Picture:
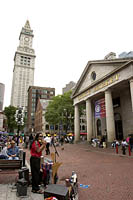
83	133
11	134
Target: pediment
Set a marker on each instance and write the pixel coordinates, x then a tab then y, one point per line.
95	71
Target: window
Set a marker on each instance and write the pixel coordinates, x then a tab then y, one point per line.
56	127
33	90
93	76
83	128
51	92
47	127
43	96
25	60
116	102
44	91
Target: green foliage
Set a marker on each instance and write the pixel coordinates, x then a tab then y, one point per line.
10	114
60	110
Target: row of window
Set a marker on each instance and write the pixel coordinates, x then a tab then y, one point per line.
42	92
25	60
41	96
56	127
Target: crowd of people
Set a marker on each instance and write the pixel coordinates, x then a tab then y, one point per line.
7	143
102	142
9	150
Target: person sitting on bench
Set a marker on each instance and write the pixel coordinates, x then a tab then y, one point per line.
13	151
3	153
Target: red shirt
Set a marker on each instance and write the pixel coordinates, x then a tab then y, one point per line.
34	150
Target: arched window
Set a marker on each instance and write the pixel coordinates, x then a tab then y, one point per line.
47	127
56	127
83	127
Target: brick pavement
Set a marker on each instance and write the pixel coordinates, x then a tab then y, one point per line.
108	175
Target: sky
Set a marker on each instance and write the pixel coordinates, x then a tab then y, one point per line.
67	34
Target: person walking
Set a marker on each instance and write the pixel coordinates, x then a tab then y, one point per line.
48	141
37	147
124	145
26	141
30	140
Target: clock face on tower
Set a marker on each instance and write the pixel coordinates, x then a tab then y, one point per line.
26	39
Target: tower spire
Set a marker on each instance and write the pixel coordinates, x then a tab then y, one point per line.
27	25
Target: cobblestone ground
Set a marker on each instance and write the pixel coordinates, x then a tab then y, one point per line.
108	175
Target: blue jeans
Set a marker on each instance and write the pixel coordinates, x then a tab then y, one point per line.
13	158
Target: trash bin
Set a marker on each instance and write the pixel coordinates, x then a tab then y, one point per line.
22	187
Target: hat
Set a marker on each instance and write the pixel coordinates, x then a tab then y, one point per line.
12	142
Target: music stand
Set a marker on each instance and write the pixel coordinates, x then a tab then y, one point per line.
56	152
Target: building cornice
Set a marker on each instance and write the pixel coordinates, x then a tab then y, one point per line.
101	79
25	54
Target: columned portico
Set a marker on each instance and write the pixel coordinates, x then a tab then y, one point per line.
77	123
109	116
131	91
89	119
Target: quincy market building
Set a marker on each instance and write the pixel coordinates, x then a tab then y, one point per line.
106	89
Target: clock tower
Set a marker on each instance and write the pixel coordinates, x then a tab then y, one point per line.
23	72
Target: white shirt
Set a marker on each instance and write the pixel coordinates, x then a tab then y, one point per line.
47	139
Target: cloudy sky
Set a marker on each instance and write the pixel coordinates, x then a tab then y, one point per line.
67	34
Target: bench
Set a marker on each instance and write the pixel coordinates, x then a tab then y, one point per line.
10	164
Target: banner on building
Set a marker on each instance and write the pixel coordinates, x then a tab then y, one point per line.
100	111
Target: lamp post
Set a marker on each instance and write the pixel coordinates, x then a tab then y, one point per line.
66	117
19	118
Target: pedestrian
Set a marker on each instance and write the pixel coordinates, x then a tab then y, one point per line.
124	145
48	141
26	141
62	140
37	147
52	140
114	143
30	140
131	142
127	139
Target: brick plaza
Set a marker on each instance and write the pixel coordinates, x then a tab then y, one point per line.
108	175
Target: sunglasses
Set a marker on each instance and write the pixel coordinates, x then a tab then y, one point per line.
40	136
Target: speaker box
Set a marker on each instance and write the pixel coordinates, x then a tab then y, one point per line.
22	187
59	191
24	173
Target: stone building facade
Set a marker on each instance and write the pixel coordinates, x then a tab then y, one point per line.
23	72
68	87
106	88
2	91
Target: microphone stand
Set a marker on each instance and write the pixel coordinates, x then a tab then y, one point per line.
56	152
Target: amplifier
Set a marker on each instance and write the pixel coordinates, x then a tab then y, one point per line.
24	173
59	191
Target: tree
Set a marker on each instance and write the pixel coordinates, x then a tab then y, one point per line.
10	114
61	111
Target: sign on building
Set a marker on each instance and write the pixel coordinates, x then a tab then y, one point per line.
100	111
